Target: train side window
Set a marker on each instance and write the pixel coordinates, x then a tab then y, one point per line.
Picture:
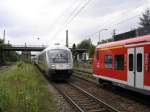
119	62
108	61
130	62
97	55
139	62
149	62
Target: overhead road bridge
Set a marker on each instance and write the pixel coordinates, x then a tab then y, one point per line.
24	48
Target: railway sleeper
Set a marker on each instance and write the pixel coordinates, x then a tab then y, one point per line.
99	110
82	101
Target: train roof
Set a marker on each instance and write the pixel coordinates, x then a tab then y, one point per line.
57	46
140	39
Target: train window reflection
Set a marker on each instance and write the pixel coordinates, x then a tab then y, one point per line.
139	62
130	62
108	61
59	56
119	62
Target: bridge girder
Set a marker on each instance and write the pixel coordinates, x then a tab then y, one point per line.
23	48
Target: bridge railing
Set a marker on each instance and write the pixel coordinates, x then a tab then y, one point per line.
24	47
43	46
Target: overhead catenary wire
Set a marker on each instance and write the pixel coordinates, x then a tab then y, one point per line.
63	18
120	22
59	18
72	15
109	25
77	12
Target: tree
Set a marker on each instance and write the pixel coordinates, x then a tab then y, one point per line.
106	41
7	56
109	39
87	44
1	52
10	56
91	51
74	52
145	19
84	44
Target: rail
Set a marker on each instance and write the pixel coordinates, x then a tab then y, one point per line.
82	100
88	72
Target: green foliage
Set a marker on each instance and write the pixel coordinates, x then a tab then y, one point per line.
20	64
87	44
106	41
1	41
1	52
7	56
74	53
24	89
74	49
10	56
145	19
84	44
91	51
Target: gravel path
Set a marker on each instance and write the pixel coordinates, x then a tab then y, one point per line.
62	104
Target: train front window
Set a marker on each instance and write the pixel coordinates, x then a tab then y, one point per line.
59	56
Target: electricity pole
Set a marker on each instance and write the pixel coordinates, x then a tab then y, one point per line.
4	36
100	34
66	38
114	33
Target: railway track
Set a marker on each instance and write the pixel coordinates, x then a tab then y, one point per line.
115	96
81	99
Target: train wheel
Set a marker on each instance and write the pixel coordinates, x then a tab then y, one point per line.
104	84
100	83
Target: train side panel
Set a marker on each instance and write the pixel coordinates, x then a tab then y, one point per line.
110	65
125	63
42	62
107	66
147	67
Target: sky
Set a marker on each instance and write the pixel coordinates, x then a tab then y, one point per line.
44	22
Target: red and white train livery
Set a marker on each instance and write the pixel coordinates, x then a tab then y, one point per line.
125	63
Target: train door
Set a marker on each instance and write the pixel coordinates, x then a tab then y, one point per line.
136	67
131	72
139	67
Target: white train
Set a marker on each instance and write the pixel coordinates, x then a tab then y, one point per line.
56	61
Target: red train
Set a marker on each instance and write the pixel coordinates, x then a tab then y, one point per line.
125	63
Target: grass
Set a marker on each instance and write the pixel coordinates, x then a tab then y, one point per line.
84	67
24	89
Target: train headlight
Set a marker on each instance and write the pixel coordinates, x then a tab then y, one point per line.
69	65
52	66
